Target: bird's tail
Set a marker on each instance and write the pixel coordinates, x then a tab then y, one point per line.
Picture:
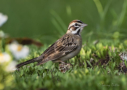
27	62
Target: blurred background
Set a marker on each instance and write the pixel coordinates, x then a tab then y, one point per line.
42	22
47	20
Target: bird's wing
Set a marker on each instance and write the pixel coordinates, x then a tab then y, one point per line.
60	48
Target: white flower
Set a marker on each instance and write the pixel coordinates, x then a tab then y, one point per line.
4	57
3	19
18	50
11	66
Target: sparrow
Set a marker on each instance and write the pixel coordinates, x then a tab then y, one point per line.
65	48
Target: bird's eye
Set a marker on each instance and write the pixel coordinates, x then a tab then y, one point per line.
76	24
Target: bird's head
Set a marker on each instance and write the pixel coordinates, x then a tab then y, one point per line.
75	27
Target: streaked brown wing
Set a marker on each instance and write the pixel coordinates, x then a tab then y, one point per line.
60	48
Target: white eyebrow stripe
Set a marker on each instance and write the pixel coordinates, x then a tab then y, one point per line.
77	26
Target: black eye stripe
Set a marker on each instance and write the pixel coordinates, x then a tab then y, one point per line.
76	24
78	32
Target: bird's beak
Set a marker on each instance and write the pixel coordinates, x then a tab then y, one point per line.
83	25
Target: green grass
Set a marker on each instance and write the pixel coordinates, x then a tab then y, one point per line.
83	74
47	21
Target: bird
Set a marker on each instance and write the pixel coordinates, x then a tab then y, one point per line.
65	48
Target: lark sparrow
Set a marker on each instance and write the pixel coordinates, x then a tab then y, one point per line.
68	46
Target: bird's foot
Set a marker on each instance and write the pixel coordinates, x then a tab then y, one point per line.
63	67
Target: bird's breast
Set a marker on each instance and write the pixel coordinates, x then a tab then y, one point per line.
74	53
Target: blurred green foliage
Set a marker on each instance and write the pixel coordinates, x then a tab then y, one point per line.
46	19
80	76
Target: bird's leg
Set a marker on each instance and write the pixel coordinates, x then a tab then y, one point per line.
68	66
63	67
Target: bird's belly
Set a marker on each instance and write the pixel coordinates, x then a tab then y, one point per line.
70	55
